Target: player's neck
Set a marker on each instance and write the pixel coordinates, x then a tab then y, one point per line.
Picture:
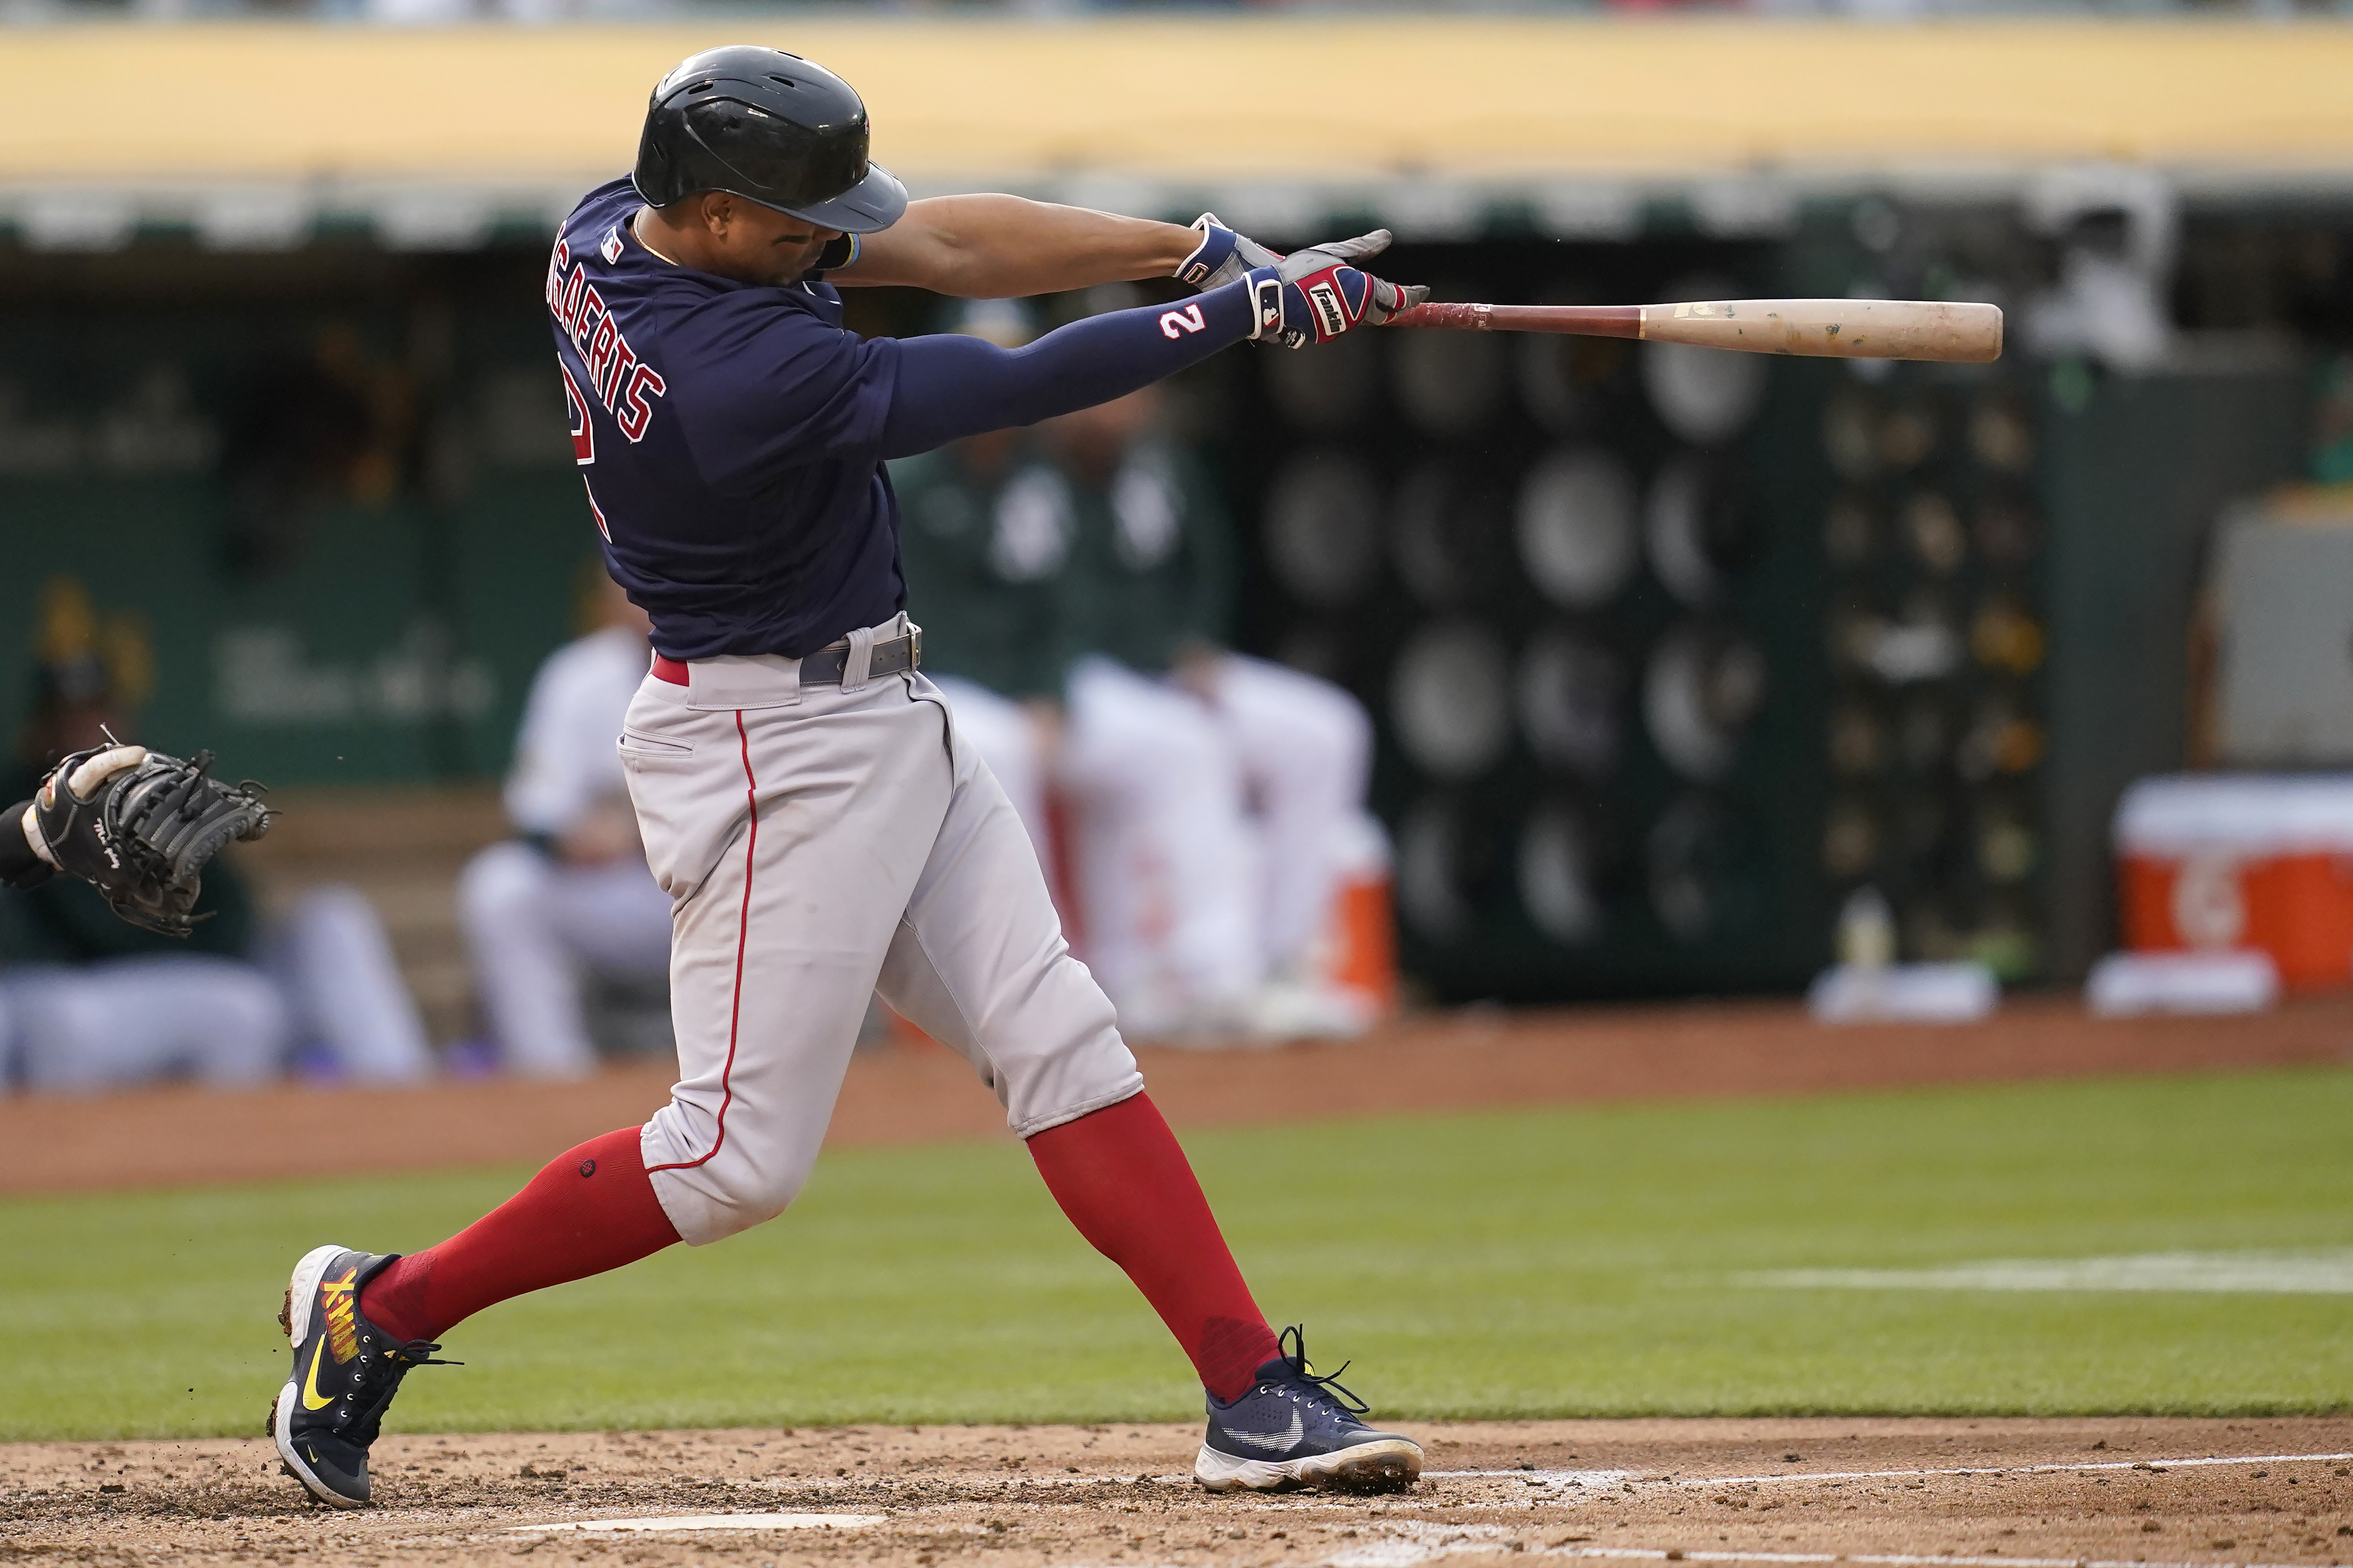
638	225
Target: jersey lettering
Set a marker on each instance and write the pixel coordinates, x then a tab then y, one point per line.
635	412
600	350
622	382
584	434
567	309
1187	319
622	362
557	260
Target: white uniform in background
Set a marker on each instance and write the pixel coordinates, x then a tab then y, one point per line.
533	924
120	1022
1163	857
1305	749
343	989
1206	835
1207	839
1160	869
326	979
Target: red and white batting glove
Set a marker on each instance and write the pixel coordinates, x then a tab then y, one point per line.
1323	293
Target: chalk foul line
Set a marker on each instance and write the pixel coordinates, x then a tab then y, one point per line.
2012	1470
1412	1543
1635	1478
1882	1560
707	1521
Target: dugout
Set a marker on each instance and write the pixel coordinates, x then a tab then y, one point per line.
1668	652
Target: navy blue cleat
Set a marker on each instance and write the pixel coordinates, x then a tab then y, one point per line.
346	1372
1295	1429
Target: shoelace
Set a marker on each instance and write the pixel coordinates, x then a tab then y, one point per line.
1293	1348
381	1380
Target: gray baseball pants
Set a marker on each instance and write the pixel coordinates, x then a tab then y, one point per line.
821	844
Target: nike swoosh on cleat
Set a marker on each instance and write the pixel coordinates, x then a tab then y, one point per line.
1272	1442
311	1396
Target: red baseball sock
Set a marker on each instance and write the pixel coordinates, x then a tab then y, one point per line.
1121	1177
590	1210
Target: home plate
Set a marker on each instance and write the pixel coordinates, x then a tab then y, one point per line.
717	1522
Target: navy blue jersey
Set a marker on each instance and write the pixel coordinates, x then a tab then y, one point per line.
729	437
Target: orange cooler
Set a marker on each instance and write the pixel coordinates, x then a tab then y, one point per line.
1357	955
2220	861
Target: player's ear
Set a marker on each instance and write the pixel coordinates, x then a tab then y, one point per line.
718	212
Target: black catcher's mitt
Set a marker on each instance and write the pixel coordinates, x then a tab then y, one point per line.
141	827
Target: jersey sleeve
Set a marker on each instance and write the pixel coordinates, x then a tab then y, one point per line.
779	389
954	387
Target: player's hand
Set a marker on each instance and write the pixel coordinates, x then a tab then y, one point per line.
1223	256
141	826
1323	294
62	809
1385	299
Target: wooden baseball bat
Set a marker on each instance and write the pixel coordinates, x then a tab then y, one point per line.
1838	329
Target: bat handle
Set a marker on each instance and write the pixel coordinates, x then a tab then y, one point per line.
1460	318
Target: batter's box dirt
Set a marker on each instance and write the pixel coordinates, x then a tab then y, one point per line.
1876	1493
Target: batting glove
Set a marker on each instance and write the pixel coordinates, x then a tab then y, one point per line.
1322	294
1223	256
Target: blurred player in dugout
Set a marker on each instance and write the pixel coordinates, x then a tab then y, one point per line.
569	898
88	1002
1075	591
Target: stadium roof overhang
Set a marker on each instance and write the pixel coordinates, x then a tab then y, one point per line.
257	134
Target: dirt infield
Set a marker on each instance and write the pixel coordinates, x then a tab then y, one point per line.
904	1094
2041	1494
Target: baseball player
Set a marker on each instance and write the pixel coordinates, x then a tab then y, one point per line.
569	896
804	796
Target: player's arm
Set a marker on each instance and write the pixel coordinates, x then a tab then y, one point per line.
999	247
950	386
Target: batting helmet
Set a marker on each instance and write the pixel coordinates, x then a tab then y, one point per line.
770	127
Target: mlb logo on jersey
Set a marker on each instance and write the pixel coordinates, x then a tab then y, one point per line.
611	249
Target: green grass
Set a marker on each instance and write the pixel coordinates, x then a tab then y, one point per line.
1543	1263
